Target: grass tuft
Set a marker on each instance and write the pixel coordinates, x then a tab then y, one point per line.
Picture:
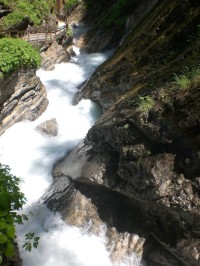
146	103
188	79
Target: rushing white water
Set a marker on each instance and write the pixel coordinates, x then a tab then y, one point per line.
32	155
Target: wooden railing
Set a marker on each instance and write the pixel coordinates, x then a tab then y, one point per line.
39	37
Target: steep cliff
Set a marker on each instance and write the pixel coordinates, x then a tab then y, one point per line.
23	97
146	145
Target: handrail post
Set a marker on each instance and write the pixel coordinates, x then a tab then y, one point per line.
28	34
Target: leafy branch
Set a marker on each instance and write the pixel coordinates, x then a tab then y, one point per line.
31	241
11	201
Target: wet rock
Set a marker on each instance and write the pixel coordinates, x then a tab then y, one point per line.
49	127
67	41
71	51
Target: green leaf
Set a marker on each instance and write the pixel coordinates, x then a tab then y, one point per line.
3	213
24	217
3	238
35	244
27	246
9	250
2	224
10	230
30	236
18	219
9	219
37	238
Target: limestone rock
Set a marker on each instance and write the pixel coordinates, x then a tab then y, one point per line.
55	54
23	97
122	245
90	168
49	127
77	209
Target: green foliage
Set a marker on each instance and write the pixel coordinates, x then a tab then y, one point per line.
71	3
145	104
188	79
118	12
16	53
36	10
69	31
11	200
31	240
1	75
115	12
126	126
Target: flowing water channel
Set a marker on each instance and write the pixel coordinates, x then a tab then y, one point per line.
31	156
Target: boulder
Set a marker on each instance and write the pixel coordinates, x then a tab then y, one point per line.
49	127
55	54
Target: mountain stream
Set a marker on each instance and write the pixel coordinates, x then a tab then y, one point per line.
32	155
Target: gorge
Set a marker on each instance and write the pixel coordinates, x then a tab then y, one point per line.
135	176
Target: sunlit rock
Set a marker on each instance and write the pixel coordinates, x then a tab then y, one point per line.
49	127
23	97
55	54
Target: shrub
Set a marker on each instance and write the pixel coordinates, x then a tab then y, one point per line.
11	200
71	3
36	10
16	53
145	104
188	79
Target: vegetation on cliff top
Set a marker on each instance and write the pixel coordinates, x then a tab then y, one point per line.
17	54
71	3
36	10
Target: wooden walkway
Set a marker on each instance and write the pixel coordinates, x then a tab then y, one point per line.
38	37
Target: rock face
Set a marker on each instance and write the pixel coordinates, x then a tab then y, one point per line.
149	55
102	38
23	97
89	208
55	54
146	145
